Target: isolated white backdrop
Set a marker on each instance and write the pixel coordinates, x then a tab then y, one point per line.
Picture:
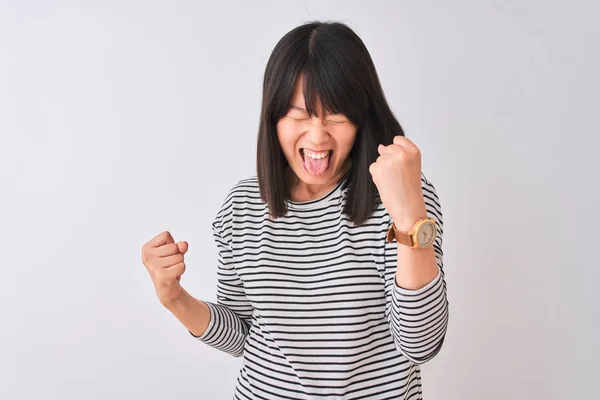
121	119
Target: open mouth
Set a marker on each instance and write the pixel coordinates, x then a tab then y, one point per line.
316	163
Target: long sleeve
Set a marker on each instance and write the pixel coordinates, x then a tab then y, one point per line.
230	316
418	318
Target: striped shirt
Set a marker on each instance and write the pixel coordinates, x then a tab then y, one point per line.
311	302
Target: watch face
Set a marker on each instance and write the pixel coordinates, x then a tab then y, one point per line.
426	234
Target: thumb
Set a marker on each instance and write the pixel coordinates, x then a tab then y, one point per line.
372	168
182	246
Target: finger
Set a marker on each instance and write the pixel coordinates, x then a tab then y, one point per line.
380	149
161	239
165	250
391	149
404	142
177	270
171	273
169	261
182	247
386	157
372	168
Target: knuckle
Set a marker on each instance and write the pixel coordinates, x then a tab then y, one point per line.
149	255
374	171
149	263
152	267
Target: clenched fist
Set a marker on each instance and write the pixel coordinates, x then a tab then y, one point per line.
397	175
164	260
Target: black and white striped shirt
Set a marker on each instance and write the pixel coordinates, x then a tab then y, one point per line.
311	302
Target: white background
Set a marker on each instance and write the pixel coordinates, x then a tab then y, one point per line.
121	119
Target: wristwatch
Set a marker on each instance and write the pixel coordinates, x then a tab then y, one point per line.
421	236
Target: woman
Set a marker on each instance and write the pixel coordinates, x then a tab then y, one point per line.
330	261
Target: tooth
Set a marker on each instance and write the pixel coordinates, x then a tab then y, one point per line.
314	155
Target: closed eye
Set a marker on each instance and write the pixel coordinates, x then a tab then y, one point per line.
307	119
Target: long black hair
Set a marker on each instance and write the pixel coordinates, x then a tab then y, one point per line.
338	72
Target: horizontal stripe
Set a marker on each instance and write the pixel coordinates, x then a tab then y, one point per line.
311	303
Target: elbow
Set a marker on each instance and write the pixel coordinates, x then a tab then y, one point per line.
238	351
237	354
425	348
420	358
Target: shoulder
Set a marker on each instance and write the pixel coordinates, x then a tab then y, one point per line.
243	195
244	190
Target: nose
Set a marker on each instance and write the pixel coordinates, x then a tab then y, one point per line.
317	134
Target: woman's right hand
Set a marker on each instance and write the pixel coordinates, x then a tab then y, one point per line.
164	260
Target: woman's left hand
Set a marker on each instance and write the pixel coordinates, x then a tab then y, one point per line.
397	175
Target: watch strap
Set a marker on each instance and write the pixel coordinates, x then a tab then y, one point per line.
401	237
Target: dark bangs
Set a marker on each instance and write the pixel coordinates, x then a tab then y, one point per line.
330	73
338	74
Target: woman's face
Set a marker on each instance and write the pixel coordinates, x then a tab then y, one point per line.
318	148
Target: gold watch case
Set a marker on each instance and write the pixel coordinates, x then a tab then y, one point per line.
421	236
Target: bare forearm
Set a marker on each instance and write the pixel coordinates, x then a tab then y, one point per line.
191	312
416	267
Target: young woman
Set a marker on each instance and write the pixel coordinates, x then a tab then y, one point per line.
330	258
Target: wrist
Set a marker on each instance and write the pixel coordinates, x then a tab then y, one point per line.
194	314
409	213
177	302
405	223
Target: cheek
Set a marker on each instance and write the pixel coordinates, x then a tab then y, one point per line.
287	139
345	142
